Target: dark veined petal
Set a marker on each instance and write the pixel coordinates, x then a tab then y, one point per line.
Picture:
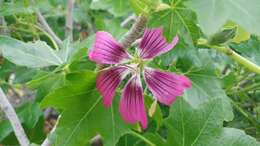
107	50
165	86
108	81
154	43
132	107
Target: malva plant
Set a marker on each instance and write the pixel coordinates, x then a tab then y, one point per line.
130	72
165	86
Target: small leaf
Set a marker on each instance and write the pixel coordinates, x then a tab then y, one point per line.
177	20
144	6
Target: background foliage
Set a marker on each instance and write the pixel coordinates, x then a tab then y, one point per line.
222	107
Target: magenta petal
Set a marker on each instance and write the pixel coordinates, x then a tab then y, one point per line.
108	81
107	50
165	86
132	107
154	43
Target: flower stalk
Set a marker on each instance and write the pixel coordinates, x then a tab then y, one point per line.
233	55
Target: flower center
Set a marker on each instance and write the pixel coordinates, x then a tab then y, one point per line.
139	62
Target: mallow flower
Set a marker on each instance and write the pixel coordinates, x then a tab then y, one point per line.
165	86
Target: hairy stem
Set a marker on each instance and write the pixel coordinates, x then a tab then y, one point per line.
135	32
69	19
14	120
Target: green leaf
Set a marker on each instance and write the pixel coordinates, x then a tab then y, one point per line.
17	7
177	20
207	86
205	122
116	7
34	55
202	126
129	140
66	52
212	14
144	6
249	49
83	114
234	137
45	82
182	49
241	35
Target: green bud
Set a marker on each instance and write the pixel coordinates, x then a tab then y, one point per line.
223	36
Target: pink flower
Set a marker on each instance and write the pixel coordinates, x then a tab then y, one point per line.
165	86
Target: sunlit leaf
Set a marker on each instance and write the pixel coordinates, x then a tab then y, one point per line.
34	55
212	14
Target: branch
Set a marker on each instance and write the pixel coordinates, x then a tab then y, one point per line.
11	115
47	28
45	25
69	19
3	30
47	142
135	32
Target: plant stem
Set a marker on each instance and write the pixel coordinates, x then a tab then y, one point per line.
247	116
14	120
233	55
142	137
239	59
135	32
42	30
69	19
46	26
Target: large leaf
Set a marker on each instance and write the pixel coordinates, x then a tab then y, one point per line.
207	86
177	20
33	55
83	114
212	14
202	126
182	49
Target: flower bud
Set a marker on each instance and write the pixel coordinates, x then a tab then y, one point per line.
223	36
